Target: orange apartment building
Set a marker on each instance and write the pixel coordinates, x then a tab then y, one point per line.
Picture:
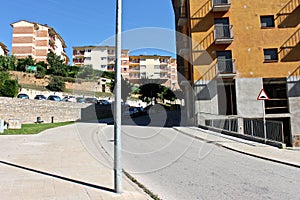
36	40
229	50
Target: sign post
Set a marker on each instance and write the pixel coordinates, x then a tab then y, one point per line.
263	96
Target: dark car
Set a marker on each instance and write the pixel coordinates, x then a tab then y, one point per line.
54	98
104	102
23	96
40	97
80	100
91	100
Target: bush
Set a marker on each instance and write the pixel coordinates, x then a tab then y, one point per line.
56	84
8	87
40	71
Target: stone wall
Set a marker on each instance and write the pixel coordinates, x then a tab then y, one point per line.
27	110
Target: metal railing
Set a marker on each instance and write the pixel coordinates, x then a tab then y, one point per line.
226	65
223	31
221	2
255	127
224	124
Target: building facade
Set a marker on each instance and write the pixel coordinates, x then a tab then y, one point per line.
3	49
36	40
100	58
153	68
231	49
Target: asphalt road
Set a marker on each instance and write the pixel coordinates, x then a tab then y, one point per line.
177	167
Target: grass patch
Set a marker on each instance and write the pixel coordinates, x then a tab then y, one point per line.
33	128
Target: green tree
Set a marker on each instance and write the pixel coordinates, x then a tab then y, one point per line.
56	65
125	88
41	69
167	94
72	71
150	91
8	87
22	63
86	72
7	63
56	84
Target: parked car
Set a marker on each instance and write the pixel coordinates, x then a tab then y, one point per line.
69	99
54	98
91	100
23	96
80	100
103	102
40	97
131	111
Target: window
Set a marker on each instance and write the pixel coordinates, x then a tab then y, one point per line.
267	21
103	58
270	55
88	58
156	67
103	66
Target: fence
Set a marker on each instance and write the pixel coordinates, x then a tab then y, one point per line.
251	127
255	127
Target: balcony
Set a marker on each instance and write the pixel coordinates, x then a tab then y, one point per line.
223	34
221	5
226	68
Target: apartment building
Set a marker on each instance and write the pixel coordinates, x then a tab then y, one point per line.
36	40
230	49
3	49
153	68
100	58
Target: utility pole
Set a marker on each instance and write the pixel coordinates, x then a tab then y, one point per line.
117	114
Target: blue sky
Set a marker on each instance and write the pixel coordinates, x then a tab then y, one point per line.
91	22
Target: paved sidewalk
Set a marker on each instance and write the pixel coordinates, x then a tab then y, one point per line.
284	156
55	164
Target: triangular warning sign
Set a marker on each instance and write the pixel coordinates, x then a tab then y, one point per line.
262	95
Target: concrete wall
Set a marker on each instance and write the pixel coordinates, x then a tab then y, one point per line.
294	105
27	110
206	101
247	90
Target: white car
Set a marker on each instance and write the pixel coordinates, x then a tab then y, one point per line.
69	99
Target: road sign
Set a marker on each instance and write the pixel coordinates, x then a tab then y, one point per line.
262	95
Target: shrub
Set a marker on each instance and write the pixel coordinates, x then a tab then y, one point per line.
56	84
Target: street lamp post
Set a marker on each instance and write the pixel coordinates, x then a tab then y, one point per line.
117	114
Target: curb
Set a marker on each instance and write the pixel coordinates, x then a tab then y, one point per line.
237	150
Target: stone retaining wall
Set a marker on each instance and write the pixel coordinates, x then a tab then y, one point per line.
27	110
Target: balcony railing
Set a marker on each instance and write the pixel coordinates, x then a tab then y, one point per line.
221	5
223	34
226	67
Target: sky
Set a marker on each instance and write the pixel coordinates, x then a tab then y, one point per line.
92	22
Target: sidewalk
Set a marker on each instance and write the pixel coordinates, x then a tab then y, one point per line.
283	156
55	164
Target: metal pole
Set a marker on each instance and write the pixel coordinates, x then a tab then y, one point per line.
117	125
264	120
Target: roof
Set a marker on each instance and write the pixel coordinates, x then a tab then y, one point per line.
45	25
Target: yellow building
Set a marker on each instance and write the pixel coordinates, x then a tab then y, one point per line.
230	49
